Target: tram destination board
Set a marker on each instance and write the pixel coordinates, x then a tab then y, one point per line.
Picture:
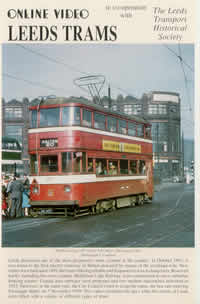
48	142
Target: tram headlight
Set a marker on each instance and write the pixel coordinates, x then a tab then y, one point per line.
67	189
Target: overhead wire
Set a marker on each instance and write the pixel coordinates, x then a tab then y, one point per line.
173	52
69	67
185	77
31	82
182	63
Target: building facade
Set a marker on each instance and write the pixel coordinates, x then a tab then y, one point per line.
162	110
15	123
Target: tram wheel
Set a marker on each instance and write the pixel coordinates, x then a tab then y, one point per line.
33	213
99	208
75	212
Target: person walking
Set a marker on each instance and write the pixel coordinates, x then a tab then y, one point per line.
4	194
16	189
8	194
25	196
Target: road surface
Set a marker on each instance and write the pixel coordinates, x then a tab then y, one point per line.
167	222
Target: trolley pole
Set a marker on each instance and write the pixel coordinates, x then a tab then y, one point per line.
109	98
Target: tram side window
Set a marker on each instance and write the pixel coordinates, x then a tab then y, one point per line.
66	162
101	167
123	166
140	130
87	118
112	167
49	117
133	167
131	129
122	126
49	163
71	116
112	124
90	165
142	167
33	123
99	121
33	164
79	161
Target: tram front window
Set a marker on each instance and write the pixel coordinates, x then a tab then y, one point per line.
49	163
66	162
71	116
77	161
34	164
49	117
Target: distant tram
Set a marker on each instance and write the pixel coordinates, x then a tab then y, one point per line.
11	156
87	159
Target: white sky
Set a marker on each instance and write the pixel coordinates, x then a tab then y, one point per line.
130	69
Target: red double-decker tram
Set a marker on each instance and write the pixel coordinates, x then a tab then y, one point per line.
87	159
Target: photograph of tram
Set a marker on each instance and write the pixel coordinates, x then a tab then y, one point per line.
107	140
87	159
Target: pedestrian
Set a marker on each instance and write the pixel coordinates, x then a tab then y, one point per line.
25	196
4	203
9	200
16	189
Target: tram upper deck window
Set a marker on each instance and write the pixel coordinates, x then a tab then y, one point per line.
87	118
122	126
49	117
99	121
71	116
140	130
33	119
148	131
112	124
131	129
49	163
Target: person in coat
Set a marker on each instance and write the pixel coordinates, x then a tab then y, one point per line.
16	189
25	196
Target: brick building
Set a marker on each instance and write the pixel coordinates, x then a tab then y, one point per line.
15	122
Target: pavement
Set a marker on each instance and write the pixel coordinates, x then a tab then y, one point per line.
162	186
